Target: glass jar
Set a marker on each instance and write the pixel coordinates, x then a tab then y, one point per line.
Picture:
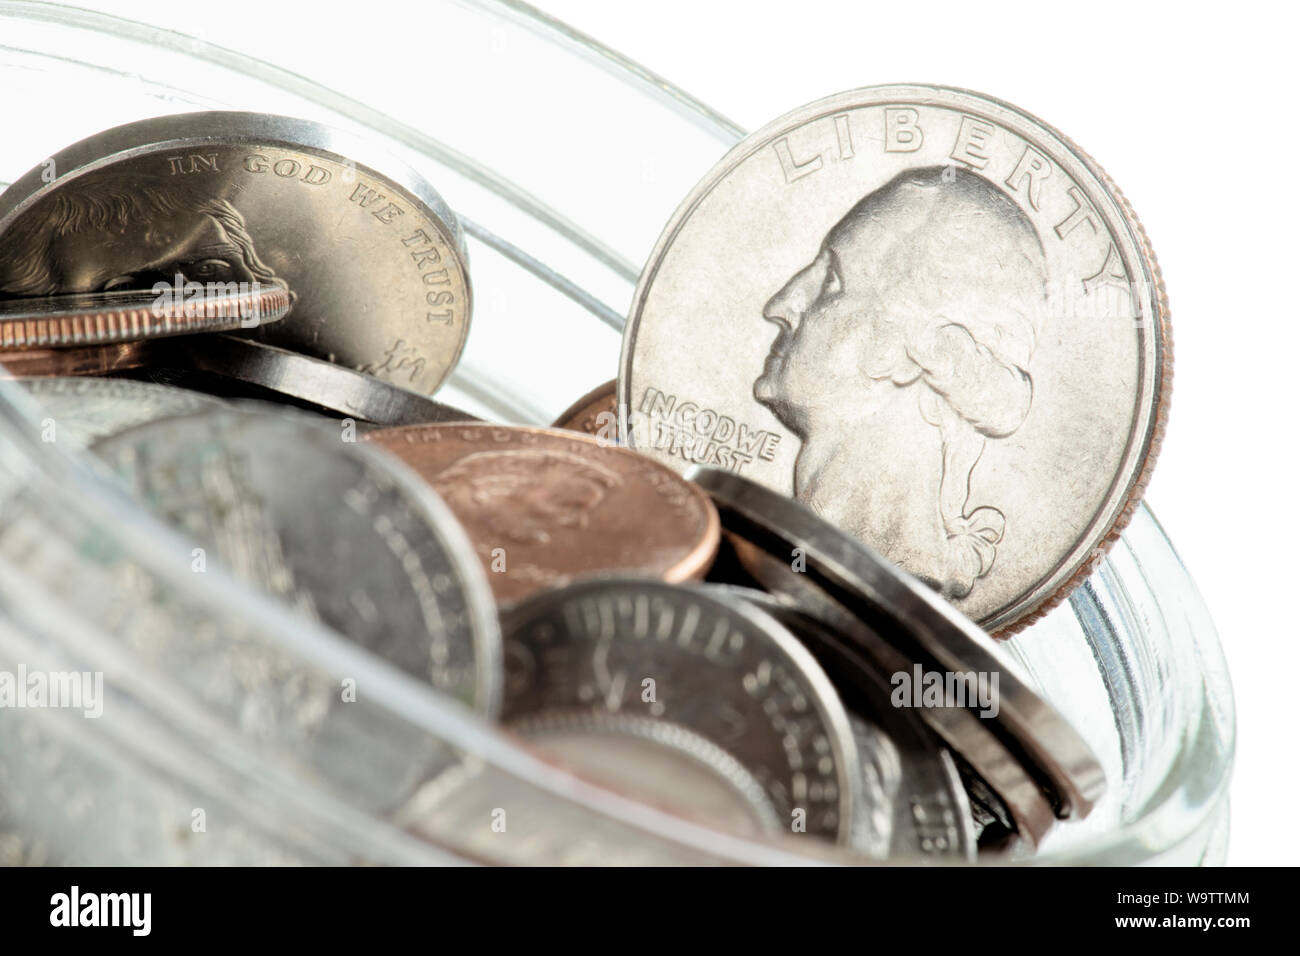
556	238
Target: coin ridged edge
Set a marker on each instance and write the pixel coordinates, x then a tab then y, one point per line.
1160	413
108	325
1163	372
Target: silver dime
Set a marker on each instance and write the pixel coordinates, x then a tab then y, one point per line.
331	528
373	255
82	410
699	701
911	803
917	621
931	319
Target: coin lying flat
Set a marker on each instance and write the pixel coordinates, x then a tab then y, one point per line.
57	363
911	804
287	375
928	317
698	698
98	318
329	527
543	507
374	256
596	413
919	623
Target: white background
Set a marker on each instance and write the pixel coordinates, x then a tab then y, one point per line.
1193	114
1195	117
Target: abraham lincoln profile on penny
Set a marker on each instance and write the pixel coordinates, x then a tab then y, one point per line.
904	348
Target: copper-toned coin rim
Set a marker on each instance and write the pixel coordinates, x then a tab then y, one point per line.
1162	374
102	322
1160	419
90	360
601	395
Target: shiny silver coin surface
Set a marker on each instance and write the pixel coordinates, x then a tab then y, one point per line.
911	804
694	700
930	318
1013	813
332	529
373	255
926	629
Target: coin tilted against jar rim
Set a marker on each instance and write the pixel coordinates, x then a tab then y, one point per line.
929	317
596	413
919	623
544	506
695	698
97	318
373	255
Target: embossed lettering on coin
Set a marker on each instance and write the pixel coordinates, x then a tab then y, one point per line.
596	413
694	699
375	259
927	316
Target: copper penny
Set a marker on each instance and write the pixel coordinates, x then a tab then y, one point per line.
99	318
543	507
596	413
59	363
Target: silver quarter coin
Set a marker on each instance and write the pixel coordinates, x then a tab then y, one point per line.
930	318
336	531
375	258
917	620
696	700
911	802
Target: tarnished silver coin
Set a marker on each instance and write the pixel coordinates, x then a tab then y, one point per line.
373	255
911	804
291	376
82	410
338	532
691	699
927	629
930	318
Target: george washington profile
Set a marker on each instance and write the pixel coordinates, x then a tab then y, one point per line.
903	348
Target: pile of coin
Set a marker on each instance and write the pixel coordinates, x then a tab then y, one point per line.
757	580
